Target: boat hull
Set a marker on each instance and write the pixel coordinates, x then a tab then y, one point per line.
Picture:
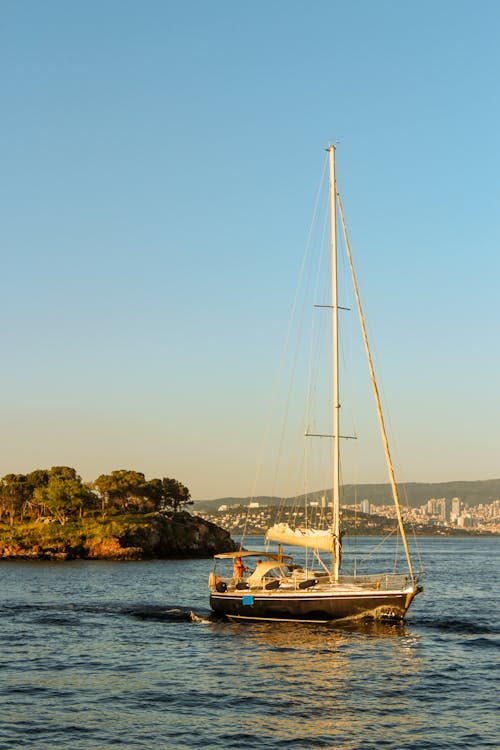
309	606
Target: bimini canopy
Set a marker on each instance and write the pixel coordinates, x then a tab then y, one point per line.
249	553
310	538
262	569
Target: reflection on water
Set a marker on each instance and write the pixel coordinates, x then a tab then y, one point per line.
282	638
307	635
316	686
376	628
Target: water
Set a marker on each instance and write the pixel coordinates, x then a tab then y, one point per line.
101	655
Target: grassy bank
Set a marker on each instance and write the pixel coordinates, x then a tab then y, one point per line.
118	537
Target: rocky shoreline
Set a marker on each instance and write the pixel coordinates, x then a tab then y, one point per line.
157	536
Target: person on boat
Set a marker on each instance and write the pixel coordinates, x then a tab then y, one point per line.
238	568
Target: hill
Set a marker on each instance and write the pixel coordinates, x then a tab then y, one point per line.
415	493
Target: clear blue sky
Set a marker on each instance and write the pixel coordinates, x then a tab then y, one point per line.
159	168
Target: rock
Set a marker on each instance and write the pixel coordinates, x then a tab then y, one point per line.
179	535
111	549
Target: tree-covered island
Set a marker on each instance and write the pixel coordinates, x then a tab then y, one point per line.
54	514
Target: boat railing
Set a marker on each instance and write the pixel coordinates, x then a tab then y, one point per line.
384	581
381	582
265	583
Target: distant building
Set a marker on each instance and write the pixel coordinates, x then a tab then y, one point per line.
456	509
366	506
253	505
445	509
433	507
222	508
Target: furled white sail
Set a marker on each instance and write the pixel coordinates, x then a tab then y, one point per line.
300	537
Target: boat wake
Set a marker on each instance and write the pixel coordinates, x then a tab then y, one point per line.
169	613
68	614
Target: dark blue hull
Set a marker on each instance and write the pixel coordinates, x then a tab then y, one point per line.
311	606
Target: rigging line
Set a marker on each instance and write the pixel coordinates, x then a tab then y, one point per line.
280	511
306	484
402	485
403	488
287	409
244	529
409	521
350	396
324	507
323	476
375	549
313	359
341	482
314	338
295	472
319	277
377	398
395	565
265	438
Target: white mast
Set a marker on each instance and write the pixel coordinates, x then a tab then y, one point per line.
335	363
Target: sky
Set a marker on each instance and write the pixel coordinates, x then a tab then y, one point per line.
160	165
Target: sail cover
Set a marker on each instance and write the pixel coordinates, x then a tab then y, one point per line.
300	537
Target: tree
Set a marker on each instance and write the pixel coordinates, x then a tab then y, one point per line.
174	494
124	489
35	479
63	472
60	492
153	495
121	489
14	492
64	496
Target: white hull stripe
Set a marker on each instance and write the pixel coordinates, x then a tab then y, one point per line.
276	619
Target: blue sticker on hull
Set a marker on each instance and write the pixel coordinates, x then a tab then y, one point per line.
247	600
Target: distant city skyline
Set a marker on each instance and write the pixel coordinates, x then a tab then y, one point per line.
435	516
160	168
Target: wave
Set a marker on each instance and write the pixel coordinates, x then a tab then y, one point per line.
456	625
65	615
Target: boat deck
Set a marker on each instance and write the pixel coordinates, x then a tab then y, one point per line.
319	583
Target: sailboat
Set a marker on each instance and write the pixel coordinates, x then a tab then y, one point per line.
275	588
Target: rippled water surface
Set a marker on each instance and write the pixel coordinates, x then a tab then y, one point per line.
99	655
